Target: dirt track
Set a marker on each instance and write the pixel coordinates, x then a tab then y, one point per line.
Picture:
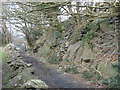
51	76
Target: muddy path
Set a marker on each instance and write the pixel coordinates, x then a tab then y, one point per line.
52	77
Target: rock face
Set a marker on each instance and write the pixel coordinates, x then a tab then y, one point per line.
84	47
20	74
35	83
44	50
72	51
21	77
77	52
87	53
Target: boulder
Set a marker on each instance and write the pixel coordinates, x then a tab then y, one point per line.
21	77
35	83
41	41
44	50
29	65
17	64
87	53
16	54
72	50
78	57
10	47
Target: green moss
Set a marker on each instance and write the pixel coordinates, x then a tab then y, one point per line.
8	76
91	28
3	56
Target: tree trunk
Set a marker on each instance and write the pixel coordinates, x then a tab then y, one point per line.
6	38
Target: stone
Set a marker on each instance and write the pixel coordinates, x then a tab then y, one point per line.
44	50
29	65
8	62
16	54
78	57
35	83
72	50
20	78
40	41
17	64
87	53
10	47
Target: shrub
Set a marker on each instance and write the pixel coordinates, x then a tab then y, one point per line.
67	60
91	28
105	81
57	34
73	69
54	59
115	82
96	75
86	74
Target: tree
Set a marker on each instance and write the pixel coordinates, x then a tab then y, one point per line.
34	16
6	36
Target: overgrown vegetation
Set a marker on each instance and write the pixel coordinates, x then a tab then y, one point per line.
113	82
58	34
86	74
91	28
67	60
54	59
3	55
92	76
71	69
8	76
35	19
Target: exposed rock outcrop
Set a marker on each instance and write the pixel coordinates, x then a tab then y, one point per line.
88	46
20	74
87	53
35	83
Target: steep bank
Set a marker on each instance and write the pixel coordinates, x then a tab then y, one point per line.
88	50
